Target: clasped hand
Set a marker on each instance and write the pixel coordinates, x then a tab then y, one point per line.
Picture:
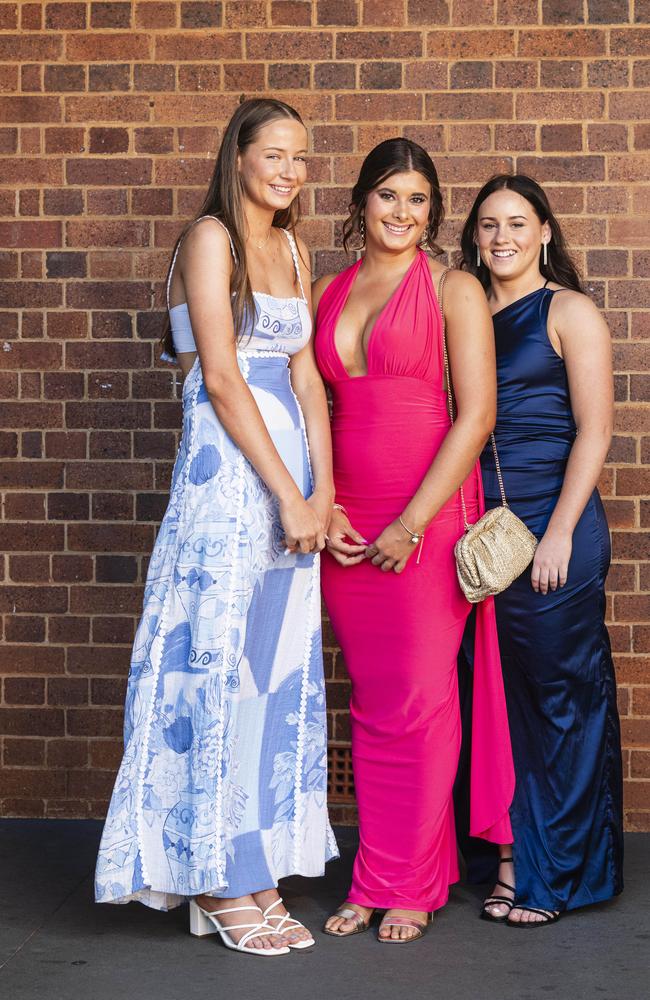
390	551
305	522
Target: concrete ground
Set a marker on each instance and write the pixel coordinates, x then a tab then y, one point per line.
56	944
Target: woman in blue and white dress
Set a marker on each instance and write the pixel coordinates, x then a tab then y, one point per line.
222	789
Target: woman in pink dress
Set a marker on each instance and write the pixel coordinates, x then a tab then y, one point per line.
389	576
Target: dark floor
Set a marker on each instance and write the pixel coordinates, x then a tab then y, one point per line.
56	944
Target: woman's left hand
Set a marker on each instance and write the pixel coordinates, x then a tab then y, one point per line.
392	550
551	562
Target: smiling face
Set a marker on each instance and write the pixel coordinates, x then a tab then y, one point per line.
510	234
273	167
397	211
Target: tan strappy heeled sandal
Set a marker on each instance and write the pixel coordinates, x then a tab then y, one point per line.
347	913
420	927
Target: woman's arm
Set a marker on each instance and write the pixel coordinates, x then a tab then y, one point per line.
205	269
586	348
470	344
310	391
347	553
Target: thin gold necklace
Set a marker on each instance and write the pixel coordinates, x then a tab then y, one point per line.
260	246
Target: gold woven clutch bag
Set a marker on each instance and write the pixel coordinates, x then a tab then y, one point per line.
491	553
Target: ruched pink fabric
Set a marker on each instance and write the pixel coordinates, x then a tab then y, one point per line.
400	634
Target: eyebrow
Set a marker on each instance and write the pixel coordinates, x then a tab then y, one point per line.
385	187
281	149
492	218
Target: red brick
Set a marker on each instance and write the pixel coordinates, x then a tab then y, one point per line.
23	752
629	41
123	171
149	77
469	75
201	14
31	721
212	46
25	506
29	569
562	42
609	11
25	628
93	721
105	48
9	16
67	753
113	630
92	661
64	78
154	140
40	782
71	569
106	753
68	628
67	691
470	44
66	16
24	48
456	106
155	15
283	76
624	105
103	294
123	108
110	15
607	73
378	107
24	691
110	538
114	76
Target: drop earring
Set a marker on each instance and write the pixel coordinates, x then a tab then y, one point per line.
545	254
478	256
362	231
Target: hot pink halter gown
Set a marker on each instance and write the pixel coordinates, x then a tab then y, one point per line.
400	634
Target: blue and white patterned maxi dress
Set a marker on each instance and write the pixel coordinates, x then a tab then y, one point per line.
222	788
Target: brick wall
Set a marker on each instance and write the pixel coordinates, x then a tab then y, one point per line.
110	121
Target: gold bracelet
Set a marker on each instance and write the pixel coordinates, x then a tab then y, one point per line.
339	506
415	535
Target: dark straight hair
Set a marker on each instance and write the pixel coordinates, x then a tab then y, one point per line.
394	156
560	267
225	199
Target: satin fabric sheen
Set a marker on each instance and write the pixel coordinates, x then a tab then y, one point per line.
558	670
400	634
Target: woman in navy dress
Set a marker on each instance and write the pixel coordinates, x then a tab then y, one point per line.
554	423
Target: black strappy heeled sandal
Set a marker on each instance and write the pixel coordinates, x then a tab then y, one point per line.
499	900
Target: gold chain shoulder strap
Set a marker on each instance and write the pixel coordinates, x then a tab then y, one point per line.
450	401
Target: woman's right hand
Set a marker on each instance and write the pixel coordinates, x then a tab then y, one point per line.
303	530
340	529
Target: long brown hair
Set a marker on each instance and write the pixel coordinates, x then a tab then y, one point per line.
225	200
394	156
560	267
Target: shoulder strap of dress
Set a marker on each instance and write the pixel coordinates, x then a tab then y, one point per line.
180	243
294	255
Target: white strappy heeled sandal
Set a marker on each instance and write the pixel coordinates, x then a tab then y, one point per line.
207	922
286	923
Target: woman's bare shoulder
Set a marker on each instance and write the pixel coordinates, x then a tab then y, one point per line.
319	287
460	281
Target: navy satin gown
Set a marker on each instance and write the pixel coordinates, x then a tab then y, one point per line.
557	663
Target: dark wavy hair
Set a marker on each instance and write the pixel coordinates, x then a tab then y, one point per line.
560	267
225	199
394	156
